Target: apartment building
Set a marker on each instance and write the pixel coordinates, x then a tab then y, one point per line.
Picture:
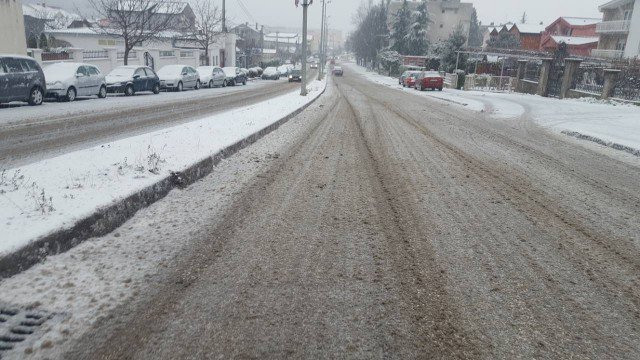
619	31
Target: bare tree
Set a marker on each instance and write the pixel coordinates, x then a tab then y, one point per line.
207	24
135	21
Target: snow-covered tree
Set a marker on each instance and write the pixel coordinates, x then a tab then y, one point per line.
390	60
417	43
504	41
475	34
448	51
207	25
401	28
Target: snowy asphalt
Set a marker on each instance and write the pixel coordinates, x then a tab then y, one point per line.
377	224
29	134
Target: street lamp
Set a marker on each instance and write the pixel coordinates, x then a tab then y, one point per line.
305	5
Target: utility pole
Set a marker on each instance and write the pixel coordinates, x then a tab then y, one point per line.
224	17
305	6
321	67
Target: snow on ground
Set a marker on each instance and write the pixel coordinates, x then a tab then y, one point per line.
90	280
18	112
612	122
55	193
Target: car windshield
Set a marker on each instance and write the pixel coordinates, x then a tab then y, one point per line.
122	72
171	70
296	72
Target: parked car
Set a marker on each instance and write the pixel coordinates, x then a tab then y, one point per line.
245	72
212	76
271	73
21	79
410	79
429	80
67	81
405	74
178	77
337	71
235	76
132	79
296	75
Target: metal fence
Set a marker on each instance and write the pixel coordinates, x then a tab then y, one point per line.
589	79
132	54
96	54
487	82
627	86
532	71
49	56
186	54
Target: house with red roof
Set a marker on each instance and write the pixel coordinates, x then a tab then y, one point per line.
578	33
529	35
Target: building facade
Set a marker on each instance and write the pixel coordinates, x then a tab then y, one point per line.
529	35
579	34
446	17
250	43
619	30
12	38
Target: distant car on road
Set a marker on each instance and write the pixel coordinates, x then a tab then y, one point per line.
132	79
284	70
67	81
212	76
21	79
337	71
429	80
313	66
235	76
405	75
178	77
410	79
271	73
296	75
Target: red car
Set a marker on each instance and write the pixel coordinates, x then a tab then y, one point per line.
410	79
429	80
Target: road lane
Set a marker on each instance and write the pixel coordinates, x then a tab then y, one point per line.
394	227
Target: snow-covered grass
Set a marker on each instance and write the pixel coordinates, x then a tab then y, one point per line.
610	121
55	193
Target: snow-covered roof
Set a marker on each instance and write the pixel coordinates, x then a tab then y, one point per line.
168	7
168	34
50	13
577	21
614	4
572	40
530	28
172	7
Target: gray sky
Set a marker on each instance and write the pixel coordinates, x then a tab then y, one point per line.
284	13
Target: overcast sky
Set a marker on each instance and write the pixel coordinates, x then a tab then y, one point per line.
284	13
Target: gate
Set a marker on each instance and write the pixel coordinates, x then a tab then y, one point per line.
148	60
556	73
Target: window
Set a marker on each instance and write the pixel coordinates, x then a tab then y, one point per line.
93	70
149	72
82	70
140	72
107	42
13	66
27	65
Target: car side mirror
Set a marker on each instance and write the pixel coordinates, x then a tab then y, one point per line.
184	73
136	76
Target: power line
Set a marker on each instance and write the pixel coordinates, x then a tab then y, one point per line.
246	11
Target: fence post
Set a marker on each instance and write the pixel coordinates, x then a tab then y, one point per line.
570	67
112	53
610	78
522	69
77	54
543	82
37	55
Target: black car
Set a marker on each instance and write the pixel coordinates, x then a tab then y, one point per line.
235	76
132	79
337	71
21	79
296	75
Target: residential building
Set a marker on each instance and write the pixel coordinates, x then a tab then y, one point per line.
12	38
446	17
619	30
529	35
177	14
250	43
38	18
579	34
491	32
285	44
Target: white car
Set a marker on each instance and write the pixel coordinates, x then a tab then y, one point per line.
212	76
271	73
178	77
69	80
284	70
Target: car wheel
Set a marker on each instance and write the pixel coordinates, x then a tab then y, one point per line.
197	85
36	96
128	91
103	92
179	88
211	84
156	89
71	94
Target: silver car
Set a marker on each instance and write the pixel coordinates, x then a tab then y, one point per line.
211	76
67	81
179	77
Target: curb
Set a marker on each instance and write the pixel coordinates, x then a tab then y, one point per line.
596	140
109	218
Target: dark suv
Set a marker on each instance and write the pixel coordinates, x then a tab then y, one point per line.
21	79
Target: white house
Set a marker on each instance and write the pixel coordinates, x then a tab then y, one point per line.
619	30
12	39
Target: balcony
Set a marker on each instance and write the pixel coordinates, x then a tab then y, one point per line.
613	27
607	54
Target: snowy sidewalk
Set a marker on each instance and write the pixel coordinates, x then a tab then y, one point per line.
54	194
613	124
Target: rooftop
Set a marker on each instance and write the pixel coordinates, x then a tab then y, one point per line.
571	40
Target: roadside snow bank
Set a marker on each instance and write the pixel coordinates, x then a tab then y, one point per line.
613	123
54	194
